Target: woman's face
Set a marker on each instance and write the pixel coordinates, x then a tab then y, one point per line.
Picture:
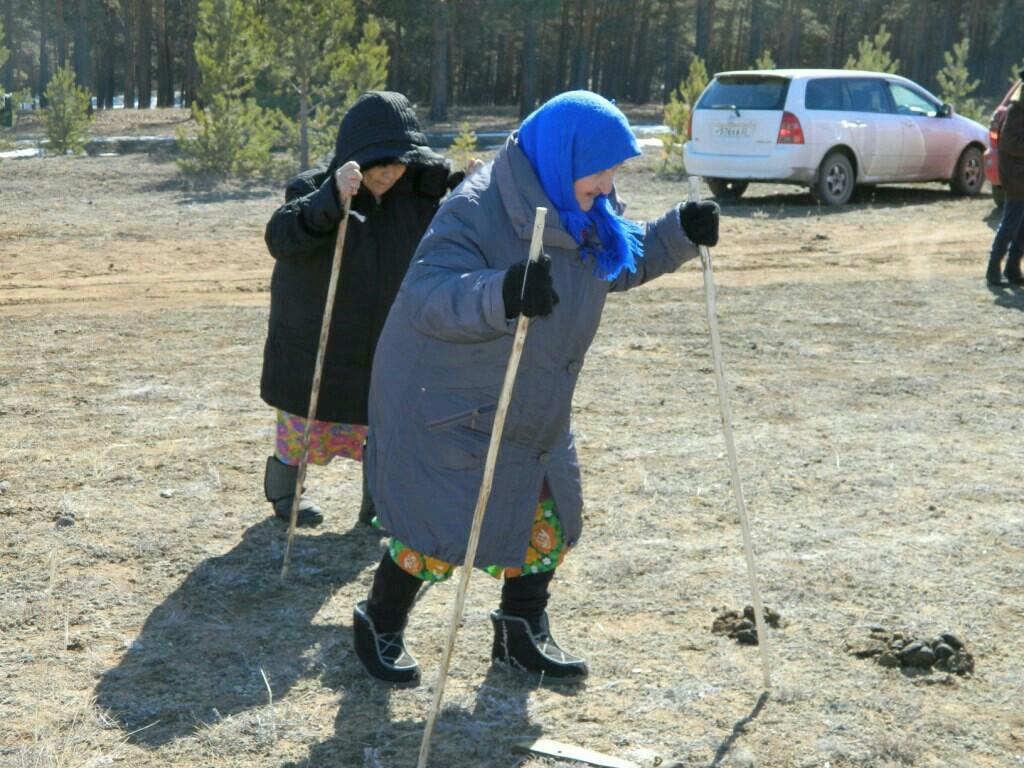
380	178
589	187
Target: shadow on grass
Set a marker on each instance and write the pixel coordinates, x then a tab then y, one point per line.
202	653
737	729
485	734
1008	297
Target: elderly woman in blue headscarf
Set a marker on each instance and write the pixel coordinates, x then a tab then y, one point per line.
441	360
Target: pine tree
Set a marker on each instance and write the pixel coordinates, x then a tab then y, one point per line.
315	59
65	118
677	111
463	148
871	54
235	134
765	61
954	79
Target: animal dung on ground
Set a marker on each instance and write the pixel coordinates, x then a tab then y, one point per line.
740	626
897	649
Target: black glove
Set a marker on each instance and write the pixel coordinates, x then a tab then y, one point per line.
538	298
700	222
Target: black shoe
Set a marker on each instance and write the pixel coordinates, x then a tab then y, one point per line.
1012	271
533	649
279	488
383	655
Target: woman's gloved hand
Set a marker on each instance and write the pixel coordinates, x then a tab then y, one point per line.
537	298
700	222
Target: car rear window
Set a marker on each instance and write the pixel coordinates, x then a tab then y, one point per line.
745	93
826	93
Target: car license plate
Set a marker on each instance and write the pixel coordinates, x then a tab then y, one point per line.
733	130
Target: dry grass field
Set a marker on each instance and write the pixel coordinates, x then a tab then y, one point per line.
879	414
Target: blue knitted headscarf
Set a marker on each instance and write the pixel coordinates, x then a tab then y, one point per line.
576	134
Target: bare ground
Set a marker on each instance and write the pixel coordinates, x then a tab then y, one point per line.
878	412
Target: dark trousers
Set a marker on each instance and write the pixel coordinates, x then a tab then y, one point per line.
1010	235
394	592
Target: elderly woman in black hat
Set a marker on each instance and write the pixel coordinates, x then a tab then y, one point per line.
393	183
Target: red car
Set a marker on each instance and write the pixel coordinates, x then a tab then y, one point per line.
992	153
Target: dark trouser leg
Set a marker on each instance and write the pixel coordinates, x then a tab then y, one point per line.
1007	234
522	636
366	509
379	621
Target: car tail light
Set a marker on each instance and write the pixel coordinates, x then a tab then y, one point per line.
790	131
993	135
689	125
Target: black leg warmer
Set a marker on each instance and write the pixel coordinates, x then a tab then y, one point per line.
391	598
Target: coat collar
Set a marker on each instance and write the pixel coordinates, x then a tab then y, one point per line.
521	194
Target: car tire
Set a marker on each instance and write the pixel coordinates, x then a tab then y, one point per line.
998	196
835	181
969	175
727	189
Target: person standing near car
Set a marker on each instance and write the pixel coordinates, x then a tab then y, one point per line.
392	182
1009	239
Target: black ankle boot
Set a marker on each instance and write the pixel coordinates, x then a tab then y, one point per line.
992	276
528	645
1012	271
378	624
383	653
279	488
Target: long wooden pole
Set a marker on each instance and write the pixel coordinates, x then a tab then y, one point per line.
504	398
314	395
730	447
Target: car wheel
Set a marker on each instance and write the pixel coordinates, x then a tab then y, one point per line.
998	196
727	189
969	175
834	185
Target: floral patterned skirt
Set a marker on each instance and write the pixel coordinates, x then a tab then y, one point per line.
327	439
545	551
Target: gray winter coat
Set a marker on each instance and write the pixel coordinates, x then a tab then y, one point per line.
442	356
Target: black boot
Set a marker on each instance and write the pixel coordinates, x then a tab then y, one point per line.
1012	271
992	276
279	488
378	624
366	509
522	636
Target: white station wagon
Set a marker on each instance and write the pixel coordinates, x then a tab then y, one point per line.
829	129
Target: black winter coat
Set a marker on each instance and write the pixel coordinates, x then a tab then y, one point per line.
301	235
1011	151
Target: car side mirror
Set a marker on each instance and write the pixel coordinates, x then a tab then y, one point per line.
946	110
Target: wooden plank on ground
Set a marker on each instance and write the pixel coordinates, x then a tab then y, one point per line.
550	748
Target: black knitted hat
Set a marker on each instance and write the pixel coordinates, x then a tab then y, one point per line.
382	126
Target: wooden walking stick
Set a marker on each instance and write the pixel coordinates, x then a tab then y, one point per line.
485	493
314	395
723	402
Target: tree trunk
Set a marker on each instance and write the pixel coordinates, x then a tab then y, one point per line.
395	73
83	52
164	59
528	65
9	44
439	64
669	70
190	85
144	53
128	52
61	34
44	59
562	61
581	57
304	125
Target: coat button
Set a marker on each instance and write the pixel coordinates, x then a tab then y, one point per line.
544	458
574	367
